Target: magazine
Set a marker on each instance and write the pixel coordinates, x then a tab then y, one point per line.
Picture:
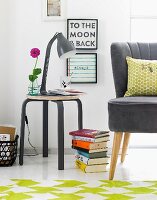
65	92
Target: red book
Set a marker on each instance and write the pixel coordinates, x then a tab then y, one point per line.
89	133
89	145
82	144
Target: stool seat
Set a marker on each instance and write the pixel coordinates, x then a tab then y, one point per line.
53	98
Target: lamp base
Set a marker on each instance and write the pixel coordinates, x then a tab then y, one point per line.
43	92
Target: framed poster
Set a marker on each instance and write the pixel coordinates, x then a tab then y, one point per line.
82	68
83	33
53	10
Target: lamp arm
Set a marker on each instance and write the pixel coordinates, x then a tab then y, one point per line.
46	64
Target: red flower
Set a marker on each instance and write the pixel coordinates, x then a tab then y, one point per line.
35	52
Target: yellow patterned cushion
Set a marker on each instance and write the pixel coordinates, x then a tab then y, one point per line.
142	77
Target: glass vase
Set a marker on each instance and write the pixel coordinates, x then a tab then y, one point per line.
33	88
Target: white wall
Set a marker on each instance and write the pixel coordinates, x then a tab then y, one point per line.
143	21
143	29
4	60
26	30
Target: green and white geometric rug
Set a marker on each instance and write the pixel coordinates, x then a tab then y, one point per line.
19	189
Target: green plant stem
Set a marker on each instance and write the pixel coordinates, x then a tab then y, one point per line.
32	87
36	63
33	69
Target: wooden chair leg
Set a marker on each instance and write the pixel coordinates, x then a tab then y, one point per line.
125	146
115	150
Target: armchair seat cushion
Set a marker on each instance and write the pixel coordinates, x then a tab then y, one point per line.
133	114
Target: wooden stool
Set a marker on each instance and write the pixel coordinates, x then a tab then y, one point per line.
45	99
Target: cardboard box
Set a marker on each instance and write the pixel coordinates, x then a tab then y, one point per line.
8	130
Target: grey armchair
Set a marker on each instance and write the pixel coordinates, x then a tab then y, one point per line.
129	114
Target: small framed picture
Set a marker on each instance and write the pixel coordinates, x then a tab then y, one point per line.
82	68
53	10
83	33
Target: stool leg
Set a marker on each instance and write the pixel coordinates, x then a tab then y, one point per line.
60	135
80	115
45	128
22	131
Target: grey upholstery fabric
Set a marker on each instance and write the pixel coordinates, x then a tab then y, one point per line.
119	51
132	114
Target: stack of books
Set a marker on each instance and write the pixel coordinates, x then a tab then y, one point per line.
91	149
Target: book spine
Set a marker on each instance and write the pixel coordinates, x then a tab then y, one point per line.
81	144
82	158
81	165
89	133
83	153
83	138
82	135
89	145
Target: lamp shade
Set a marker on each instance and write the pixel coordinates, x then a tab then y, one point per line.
64	47
65	50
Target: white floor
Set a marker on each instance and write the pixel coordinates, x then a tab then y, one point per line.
140	164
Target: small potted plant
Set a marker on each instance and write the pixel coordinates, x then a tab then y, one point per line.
34	88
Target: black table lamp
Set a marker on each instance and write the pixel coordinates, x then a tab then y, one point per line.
65	50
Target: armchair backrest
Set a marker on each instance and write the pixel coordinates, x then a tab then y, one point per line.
119	51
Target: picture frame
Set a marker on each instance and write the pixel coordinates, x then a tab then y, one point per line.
82	68
83	33
53	10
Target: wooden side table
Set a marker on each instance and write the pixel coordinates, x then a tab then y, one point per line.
45	99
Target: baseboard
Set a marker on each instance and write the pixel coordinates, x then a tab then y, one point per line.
143	147
70	151
67	151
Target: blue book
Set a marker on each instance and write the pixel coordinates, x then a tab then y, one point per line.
83	153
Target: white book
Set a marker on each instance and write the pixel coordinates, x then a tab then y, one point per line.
65	92
88	139
92	161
